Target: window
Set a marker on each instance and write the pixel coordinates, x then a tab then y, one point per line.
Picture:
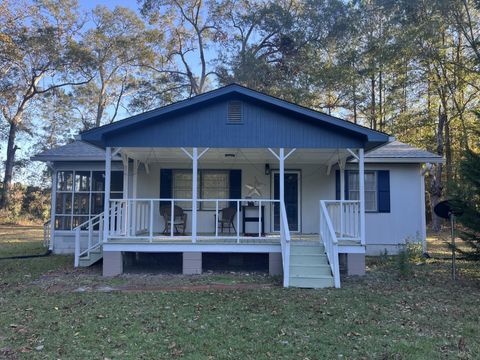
212	184
370	189
182	187
80	196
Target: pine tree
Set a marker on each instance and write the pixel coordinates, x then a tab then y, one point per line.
468	198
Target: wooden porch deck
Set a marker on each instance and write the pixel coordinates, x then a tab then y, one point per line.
209	238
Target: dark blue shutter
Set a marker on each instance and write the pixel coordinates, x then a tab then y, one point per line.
337	185
383	180
166	185
235	191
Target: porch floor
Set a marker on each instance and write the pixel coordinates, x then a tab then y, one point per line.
209	238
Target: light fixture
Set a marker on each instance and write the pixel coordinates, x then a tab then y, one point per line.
267	169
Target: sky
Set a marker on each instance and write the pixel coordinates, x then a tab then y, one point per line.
132	4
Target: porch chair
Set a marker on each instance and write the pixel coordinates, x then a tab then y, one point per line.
226	217
179	218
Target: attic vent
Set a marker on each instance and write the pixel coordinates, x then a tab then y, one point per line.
235	112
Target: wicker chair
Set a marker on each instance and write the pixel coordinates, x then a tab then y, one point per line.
179	218
227	215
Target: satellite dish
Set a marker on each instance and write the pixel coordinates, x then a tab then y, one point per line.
447	208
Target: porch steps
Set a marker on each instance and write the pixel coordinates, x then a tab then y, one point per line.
309	266
90	259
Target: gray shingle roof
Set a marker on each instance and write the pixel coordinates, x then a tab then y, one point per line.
74	151
399	151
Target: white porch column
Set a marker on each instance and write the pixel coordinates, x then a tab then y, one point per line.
281	179
127	210
361	187
106	206
341	165
342	180
125	160
194	193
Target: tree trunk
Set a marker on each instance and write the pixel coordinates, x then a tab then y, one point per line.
448	158
380	100
9	164
373	115
355	116
436	174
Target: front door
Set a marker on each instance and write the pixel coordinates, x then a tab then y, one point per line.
292	200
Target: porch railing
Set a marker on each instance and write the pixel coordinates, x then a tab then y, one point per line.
330	241
345	218
140	219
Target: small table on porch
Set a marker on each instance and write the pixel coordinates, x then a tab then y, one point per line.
249	215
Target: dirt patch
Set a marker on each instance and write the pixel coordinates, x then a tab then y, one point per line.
206	287
90	280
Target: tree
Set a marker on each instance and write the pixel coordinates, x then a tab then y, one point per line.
468	199
40	54
119	45
189	32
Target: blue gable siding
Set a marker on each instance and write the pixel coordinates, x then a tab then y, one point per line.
206	126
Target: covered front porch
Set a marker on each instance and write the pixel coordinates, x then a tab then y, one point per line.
232	194
229	200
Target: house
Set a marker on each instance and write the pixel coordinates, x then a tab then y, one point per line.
238	171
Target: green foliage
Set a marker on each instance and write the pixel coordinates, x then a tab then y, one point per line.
468	200
29	204
409	255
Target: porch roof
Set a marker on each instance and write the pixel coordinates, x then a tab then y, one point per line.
265	121
393	152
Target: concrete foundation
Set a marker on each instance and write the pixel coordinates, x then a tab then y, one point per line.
112	263
192	263
356	264
275	266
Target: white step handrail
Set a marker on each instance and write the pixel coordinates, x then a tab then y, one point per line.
330	241
93	242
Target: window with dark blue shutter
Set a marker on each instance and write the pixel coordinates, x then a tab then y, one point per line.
377	189
383	181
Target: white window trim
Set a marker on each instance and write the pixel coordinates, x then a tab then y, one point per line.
375	191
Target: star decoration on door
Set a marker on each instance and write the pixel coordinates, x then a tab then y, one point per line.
255	189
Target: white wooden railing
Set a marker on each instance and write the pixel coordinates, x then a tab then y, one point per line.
329	238
94	232
140	219
345	218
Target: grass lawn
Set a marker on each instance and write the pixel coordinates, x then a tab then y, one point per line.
49	310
